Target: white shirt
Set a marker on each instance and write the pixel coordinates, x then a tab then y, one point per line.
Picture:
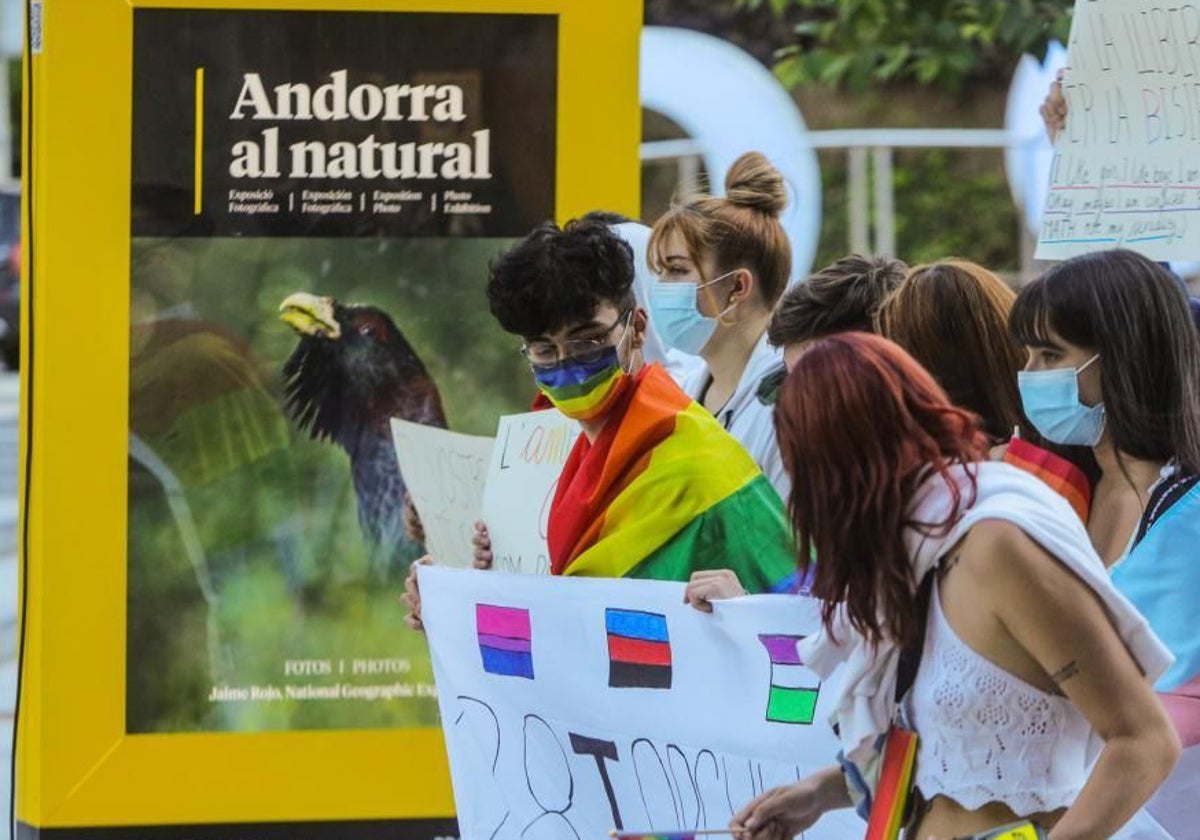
749	415
989	736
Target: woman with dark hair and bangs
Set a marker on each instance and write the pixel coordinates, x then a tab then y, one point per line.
1030	699
1114	364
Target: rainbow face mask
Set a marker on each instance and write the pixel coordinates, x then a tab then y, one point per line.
582	390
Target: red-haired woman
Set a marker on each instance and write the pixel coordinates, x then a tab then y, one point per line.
1031	699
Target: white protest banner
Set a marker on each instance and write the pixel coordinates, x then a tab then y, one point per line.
529	456
444	472
1126	170
574	706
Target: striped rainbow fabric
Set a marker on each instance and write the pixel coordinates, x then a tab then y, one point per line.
664	491
894	786
1064	478
585	400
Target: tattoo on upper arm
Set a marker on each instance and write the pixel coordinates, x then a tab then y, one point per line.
1065	672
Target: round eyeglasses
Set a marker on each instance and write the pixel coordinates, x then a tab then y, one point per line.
545	354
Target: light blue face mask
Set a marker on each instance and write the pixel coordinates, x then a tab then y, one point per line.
1051	402
676	319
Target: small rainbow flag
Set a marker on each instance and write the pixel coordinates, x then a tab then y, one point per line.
792	697
505	640
894	786
639	649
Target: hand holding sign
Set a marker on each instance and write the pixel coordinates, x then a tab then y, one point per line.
529	455
1125	171
571	706
444	472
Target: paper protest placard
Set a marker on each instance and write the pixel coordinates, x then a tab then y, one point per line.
574	706
529	456
444	472
1126	171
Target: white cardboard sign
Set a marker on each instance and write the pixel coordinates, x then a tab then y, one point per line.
1126	171
444	472
530	452
574	706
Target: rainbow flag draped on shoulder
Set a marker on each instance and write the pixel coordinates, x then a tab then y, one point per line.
1064	478
665	491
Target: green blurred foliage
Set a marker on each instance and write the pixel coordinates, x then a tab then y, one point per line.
933	42
949	203
281	571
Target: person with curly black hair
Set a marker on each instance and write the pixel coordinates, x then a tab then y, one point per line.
654	487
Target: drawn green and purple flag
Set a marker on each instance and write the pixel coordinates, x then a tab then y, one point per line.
792	696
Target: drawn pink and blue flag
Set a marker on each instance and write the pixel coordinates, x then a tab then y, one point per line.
505	640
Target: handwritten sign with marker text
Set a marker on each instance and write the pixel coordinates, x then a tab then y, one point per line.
530	452
444	472
573	706
1126	170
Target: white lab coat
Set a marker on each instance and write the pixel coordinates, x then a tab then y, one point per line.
749	416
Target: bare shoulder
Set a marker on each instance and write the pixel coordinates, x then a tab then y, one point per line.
1003	557
996	549
991	540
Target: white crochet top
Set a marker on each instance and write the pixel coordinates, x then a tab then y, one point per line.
988	736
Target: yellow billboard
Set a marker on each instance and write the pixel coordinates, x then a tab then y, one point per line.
256	232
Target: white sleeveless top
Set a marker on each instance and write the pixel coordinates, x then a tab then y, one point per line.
988	736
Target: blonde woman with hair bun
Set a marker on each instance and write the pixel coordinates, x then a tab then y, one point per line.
721	264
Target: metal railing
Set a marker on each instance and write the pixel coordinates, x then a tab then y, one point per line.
866	149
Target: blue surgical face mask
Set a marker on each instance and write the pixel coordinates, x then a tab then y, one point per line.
675	318
1051	402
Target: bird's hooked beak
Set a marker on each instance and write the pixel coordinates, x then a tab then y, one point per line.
308	314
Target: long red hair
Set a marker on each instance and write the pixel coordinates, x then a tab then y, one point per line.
860	424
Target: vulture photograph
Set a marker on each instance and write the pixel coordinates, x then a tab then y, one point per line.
351	372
